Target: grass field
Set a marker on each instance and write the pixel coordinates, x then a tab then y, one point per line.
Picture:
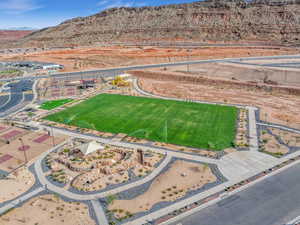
55	103
181	123
11	72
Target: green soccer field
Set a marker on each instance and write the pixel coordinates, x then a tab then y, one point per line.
182	123
55	103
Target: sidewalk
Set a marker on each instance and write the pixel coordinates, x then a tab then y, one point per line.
20	200
100	215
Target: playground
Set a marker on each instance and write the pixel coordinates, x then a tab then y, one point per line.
101	168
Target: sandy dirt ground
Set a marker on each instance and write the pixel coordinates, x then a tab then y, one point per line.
242	72
272	145
87	58
242	139
15	184
12	154
289	138
275	107
181	177
48	210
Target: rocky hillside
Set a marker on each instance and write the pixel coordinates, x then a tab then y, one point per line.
12	35
212	20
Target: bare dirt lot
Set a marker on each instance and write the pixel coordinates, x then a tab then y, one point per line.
15	184
48	210
272	145
86	58
276	107
244	72
289	138
181	177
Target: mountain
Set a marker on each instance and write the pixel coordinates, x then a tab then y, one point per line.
7	36
19	28
211	20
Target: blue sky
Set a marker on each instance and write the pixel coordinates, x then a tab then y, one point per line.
43	13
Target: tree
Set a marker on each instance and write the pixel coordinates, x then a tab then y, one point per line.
110	199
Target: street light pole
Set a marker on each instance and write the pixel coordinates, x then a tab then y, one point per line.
53	142
24	150
188	59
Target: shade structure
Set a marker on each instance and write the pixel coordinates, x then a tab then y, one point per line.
90	147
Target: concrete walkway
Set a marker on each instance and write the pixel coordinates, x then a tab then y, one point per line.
240	165
100	215
280	127
20	200
252	129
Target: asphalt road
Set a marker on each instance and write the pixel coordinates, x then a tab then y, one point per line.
8	105
288	65
273	201
295	65
111	71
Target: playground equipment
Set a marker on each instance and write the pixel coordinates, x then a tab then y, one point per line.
120	82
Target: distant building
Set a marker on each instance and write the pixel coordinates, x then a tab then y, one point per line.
35	65
52	67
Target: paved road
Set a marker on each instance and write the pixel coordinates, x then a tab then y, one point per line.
17	98
286	65
109	72
273	201
294	65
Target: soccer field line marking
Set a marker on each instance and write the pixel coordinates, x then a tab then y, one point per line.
159	130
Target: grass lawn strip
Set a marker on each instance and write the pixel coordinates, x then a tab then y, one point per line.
55	103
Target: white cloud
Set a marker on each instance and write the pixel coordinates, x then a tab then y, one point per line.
18	6
107	4
103	3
